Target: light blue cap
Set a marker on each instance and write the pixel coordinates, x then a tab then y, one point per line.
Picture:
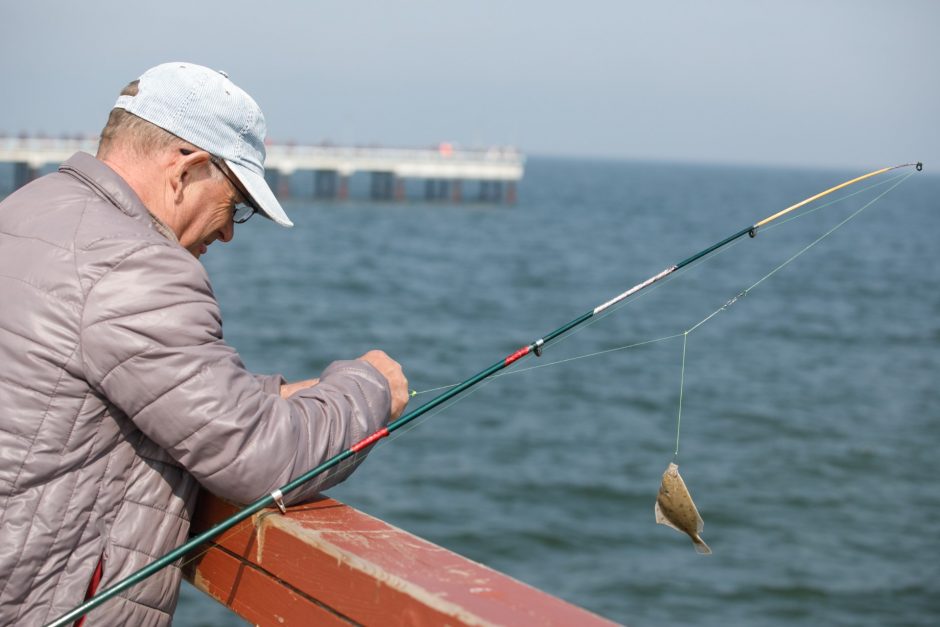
205	108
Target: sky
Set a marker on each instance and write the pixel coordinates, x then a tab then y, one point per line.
816	83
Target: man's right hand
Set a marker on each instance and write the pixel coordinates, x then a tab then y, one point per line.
397	382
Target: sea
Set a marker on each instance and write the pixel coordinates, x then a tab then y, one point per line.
810	403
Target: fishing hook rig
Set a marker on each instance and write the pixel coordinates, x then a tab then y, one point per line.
275	498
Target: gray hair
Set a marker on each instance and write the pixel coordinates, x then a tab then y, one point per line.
129	131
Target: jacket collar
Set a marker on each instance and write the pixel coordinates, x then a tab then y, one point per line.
108	184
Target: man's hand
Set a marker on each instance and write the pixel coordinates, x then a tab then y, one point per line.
397	382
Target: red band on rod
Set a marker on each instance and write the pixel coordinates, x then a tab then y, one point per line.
375	437
522	352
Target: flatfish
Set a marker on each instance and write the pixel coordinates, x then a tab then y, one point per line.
674	507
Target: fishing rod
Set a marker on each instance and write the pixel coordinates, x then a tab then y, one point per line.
276	498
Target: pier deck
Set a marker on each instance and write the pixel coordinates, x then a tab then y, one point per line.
444	169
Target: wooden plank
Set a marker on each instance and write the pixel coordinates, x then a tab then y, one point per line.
367	571
255	595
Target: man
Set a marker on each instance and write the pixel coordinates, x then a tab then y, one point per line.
118	395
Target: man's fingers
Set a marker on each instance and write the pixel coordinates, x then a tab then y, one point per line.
397	382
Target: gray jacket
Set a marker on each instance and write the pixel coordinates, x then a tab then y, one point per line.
119	397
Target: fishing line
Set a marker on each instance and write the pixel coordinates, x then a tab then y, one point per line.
685	341
741	294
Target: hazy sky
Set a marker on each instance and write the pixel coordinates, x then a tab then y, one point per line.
802	82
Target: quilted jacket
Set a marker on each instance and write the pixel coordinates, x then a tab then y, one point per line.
119	398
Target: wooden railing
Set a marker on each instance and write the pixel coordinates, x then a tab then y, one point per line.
325	563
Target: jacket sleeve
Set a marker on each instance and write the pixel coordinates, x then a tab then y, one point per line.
271	383
151	344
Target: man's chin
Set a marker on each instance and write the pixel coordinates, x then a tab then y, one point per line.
198	250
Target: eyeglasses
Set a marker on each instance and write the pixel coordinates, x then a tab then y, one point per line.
241	211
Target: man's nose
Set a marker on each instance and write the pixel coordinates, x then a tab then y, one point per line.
227	232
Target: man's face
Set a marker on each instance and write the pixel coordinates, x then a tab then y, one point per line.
209	206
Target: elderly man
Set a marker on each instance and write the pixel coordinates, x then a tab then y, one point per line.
118	395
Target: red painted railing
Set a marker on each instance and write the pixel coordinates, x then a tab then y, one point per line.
325	563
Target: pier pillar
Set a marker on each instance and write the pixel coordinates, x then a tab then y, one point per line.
23	173
273	179
399	189
492	191
343	192
436	189
511	197
382	187
488	191
497	187
324	184
456	193
283	185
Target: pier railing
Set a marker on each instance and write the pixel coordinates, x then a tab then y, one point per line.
326	563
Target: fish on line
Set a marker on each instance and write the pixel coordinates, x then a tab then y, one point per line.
675	508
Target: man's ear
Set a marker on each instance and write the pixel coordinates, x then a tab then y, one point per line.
187	167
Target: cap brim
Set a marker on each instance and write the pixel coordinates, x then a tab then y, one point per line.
261	194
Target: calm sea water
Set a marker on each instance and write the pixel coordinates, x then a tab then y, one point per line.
811	410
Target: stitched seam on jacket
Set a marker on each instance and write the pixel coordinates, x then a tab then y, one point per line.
87	294
19	472
198	373
141	246
90	181
45	414
78	225
33	238
145	311
225	467
78	413
124	361
123	596
55	586
25	438
97	494
161	510
71	304
20	385
29	532
60	356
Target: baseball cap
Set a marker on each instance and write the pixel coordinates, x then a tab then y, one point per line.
205	108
